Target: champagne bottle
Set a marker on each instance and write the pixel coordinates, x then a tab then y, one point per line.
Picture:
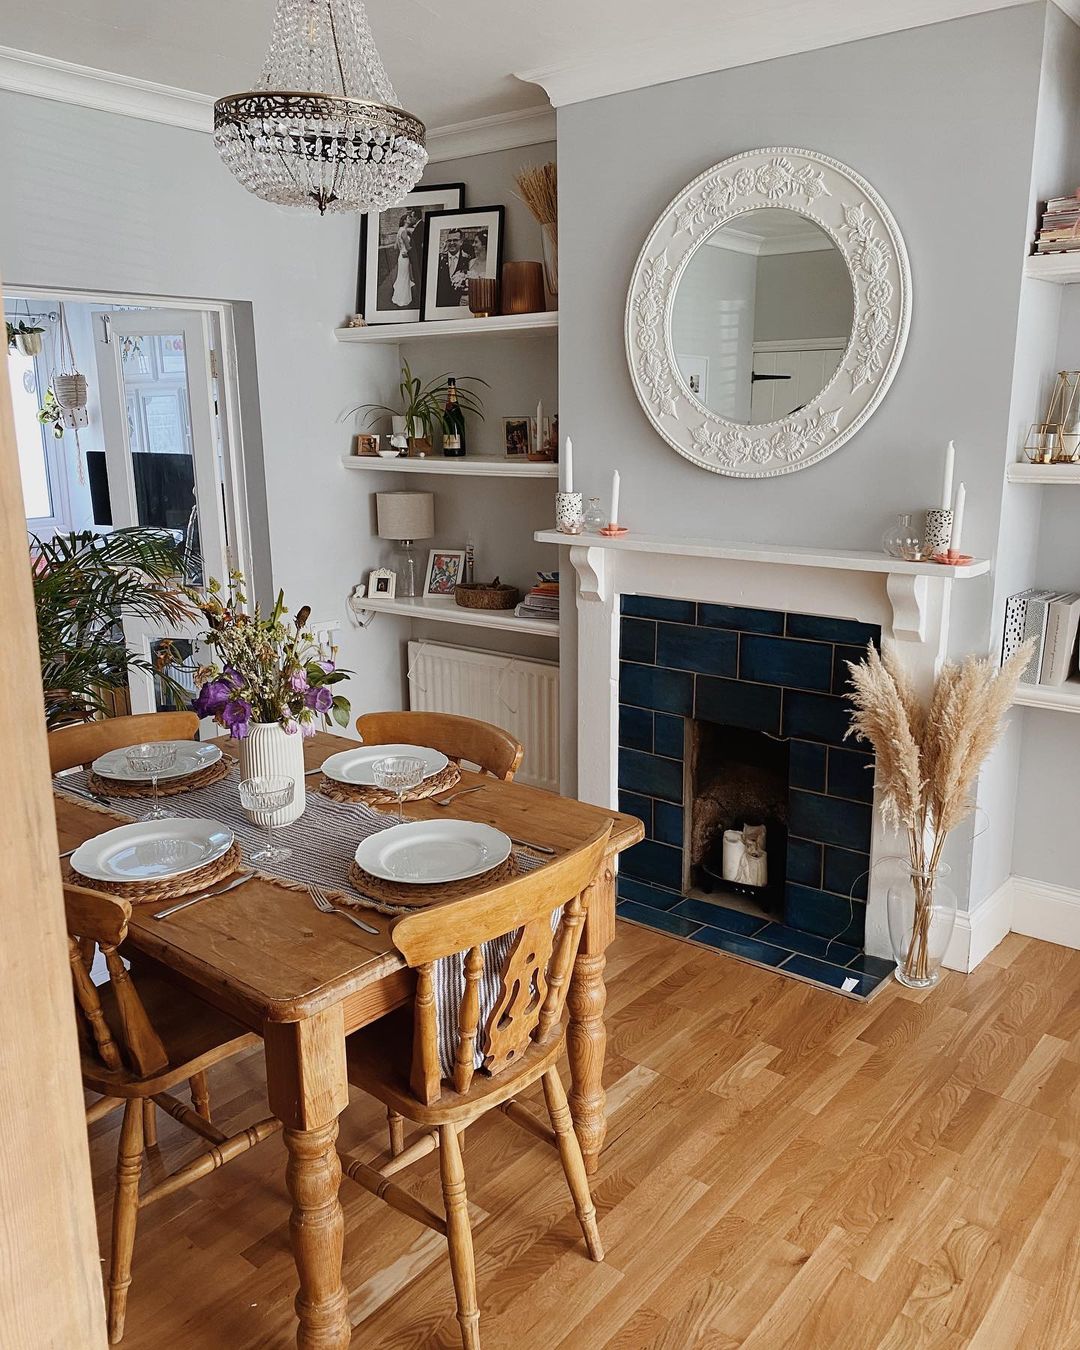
453	421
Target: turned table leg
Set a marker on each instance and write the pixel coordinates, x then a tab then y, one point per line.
586	1034
307	1087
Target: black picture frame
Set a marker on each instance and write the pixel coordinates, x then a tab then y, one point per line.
468	221
376	281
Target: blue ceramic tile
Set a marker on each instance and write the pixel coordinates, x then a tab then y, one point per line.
806	765
786	661
819	912
668	735
708	651
649	687
643	894
747	947
668	823
826	973
815	717
652	607
832	630
809	944
803	861
876	967
851	774
650	861
719	916
841	675
846	873
637	640
829	820
740	619
737	704
635	728
656	918
634	804
650	775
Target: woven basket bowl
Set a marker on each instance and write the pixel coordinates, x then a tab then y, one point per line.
474	595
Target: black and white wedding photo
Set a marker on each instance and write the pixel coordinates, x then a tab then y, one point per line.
458	247
392	254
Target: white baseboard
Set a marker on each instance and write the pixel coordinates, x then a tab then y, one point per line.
1036	909
978	931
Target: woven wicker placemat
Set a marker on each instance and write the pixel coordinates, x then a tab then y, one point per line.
171	787
443	781
404	896
166	888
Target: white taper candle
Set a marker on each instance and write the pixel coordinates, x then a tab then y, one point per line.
947	478
568	457
613	519
540	425
957	519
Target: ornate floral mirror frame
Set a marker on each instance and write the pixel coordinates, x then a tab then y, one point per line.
861	226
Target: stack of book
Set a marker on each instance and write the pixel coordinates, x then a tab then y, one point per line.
1052	618
1059	229
542	600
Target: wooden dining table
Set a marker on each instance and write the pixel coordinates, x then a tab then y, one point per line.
304	980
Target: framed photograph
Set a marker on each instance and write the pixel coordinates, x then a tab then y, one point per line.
445	568
382	583
695	371
392	253
366	445
459	245
517	436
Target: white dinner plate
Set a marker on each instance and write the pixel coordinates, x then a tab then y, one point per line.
354	766
191	756
428	852
147	849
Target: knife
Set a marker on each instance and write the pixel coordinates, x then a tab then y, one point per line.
537	848
82	792
206	895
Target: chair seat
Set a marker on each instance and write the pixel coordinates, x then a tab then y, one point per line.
195	1035
377	1057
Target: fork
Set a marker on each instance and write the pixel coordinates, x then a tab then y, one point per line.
445	801
322	901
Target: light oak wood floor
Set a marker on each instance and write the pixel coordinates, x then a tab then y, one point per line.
785	1168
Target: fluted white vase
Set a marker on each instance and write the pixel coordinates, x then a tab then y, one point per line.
267	751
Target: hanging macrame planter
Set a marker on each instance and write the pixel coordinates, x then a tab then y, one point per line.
69	386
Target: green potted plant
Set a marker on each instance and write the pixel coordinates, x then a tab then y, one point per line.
422	406
25	337
50	414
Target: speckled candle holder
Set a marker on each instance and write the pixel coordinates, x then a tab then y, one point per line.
938	530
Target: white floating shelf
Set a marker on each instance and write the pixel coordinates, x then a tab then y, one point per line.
548	321
469	466
846	560
1043	473
1060	698
448	611
1063	268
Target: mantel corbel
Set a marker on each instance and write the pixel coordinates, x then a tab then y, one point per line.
908	596
591	565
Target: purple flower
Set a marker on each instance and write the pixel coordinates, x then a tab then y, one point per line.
289	727
213	697
320	700
236	715
233	677
298	681
328	667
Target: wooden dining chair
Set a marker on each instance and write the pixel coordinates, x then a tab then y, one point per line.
84	742
494	750
135	1046
507	1034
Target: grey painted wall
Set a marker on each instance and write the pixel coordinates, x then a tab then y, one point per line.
802	295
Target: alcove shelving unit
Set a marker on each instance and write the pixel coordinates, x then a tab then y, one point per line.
468	466
505	324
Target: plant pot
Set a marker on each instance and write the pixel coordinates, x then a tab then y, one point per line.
30	344
420	445
269	751
922	912
399	426
70	390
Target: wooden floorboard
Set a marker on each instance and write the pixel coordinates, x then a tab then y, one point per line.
786	1170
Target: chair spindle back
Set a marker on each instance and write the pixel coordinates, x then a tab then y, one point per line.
459	738
84	742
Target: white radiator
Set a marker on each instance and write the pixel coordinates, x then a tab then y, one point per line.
516	693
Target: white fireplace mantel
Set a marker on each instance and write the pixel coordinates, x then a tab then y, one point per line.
910	601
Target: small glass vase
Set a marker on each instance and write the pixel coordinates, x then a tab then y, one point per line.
903	540
922	912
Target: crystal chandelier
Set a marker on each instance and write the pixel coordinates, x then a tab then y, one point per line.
323	130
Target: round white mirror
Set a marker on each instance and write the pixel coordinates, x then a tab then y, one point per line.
762	316
768	312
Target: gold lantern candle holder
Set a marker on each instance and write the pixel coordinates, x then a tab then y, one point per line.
1056	439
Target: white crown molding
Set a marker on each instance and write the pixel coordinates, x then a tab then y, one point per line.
743	241
671	52
86	87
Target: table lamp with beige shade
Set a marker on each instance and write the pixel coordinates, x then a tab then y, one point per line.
406	517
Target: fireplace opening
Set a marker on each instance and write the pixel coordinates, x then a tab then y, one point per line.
736	846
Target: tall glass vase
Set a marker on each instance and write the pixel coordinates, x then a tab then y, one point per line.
922	912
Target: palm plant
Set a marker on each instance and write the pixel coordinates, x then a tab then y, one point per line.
84	584
422	404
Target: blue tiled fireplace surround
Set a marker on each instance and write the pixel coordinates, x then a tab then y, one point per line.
779	673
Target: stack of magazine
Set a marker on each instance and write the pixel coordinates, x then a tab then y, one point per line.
1052	618
542	600
1059	228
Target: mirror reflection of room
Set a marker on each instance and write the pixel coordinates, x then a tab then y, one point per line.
762	315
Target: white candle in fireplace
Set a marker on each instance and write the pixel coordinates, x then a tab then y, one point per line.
568	456
613	518
947	479
957	519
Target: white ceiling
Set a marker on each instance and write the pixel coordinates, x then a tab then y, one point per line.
455	60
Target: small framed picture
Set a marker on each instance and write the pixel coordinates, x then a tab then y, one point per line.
392	253
445	569
366	445
382	583
517	436
459	245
